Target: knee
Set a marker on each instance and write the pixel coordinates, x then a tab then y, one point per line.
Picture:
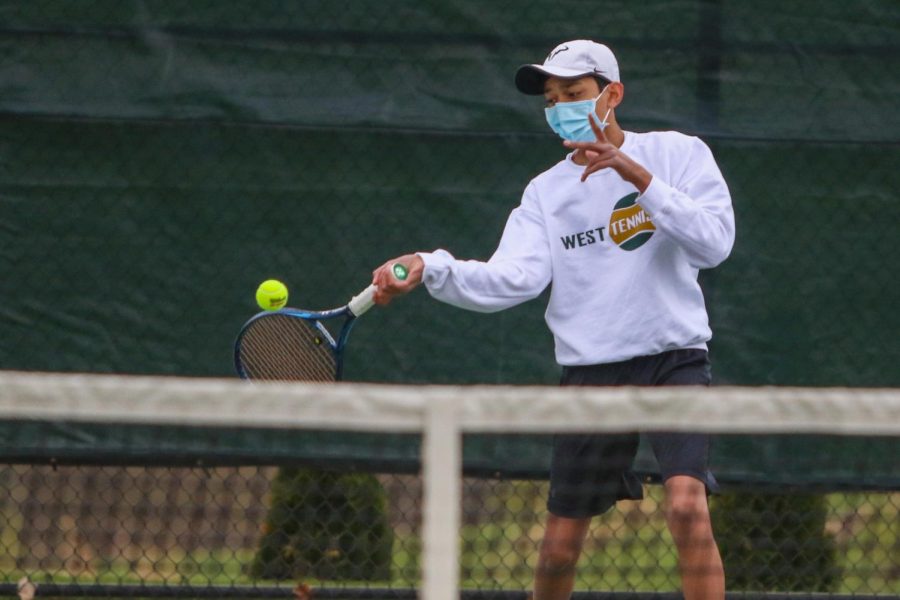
688	516
558	559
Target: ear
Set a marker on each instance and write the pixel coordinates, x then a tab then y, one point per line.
615	94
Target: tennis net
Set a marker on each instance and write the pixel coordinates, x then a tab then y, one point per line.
174	487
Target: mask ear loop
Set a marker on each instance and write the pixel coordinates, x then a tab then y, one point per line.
604	123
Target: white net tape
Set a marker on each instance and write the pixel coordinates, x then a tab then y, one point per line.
347	406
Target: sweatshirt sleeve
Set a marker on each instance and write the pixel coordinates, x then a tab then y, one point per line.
518	271
696	209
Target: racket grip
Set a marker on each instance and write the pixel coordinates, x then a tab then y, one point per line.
363	301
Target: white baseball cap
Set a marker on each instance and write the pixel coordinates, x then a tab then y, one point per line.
569	60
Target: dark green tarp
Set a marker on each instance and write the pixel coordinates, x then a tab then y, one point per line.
158	160
763	462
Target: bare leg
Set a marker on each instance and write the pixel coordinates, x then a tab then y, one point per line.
687	514
554	577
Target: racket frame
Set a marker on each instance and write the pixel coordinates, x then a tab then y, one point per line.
315	319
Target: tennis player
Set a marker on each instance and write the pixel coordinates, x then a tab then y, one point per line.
621	226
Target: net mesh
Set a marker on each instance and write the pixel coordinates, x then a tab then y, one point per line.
279	347
173	487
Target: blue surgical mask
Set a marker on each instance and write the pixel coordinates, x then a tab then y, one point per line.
570	119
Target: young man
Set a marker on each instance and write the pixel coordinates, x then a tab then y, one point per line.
621	226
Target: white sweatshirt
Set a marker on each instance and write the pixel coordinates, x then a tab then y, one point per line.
624	266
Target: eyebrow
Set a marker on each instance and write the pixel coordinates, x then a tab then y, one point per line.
566	84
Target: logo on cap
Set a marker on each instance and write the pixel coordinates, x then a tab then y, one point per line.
555	52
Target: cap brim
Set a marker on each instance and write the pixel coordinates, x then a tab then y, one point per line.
530	78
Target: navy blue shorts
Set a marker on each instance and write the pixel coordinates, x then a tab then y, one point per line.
590	472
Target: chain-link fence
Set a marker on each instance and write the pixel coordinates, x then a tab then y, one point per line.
183	527
196	528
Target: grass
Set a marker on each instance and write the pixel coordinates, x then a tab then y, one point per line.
627	549
867	530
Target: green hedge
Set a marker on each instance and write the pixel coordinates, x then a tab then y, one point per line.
325	525
775	542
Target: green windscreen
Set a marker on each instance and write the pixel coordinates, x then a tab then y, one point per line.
159	160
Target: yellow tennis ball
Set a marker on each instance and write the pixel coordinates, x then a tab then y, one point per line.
271	294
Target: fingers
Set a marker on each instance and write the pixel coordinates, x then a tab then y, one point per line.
595	166
600	154
581	145
591	148
603	158
382	278
387	283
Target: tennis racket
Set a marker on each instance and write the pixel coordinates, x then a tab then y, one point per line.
294	345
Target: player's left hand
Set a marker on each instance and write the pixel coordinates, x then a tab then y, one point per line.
603	154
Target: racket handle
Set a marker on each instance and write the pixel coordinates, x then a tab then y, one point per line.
363	301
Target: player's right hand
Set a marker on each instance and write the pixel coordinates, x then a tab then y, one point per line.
389	287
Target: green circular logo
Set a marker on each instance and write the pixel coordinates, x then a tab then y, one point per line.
629	226
400	272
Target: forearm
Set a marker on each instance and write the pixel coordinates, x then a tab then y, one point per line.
482	286
704	229
634	173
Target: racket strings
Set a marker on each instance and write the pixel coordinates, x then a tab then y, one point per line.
281	348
